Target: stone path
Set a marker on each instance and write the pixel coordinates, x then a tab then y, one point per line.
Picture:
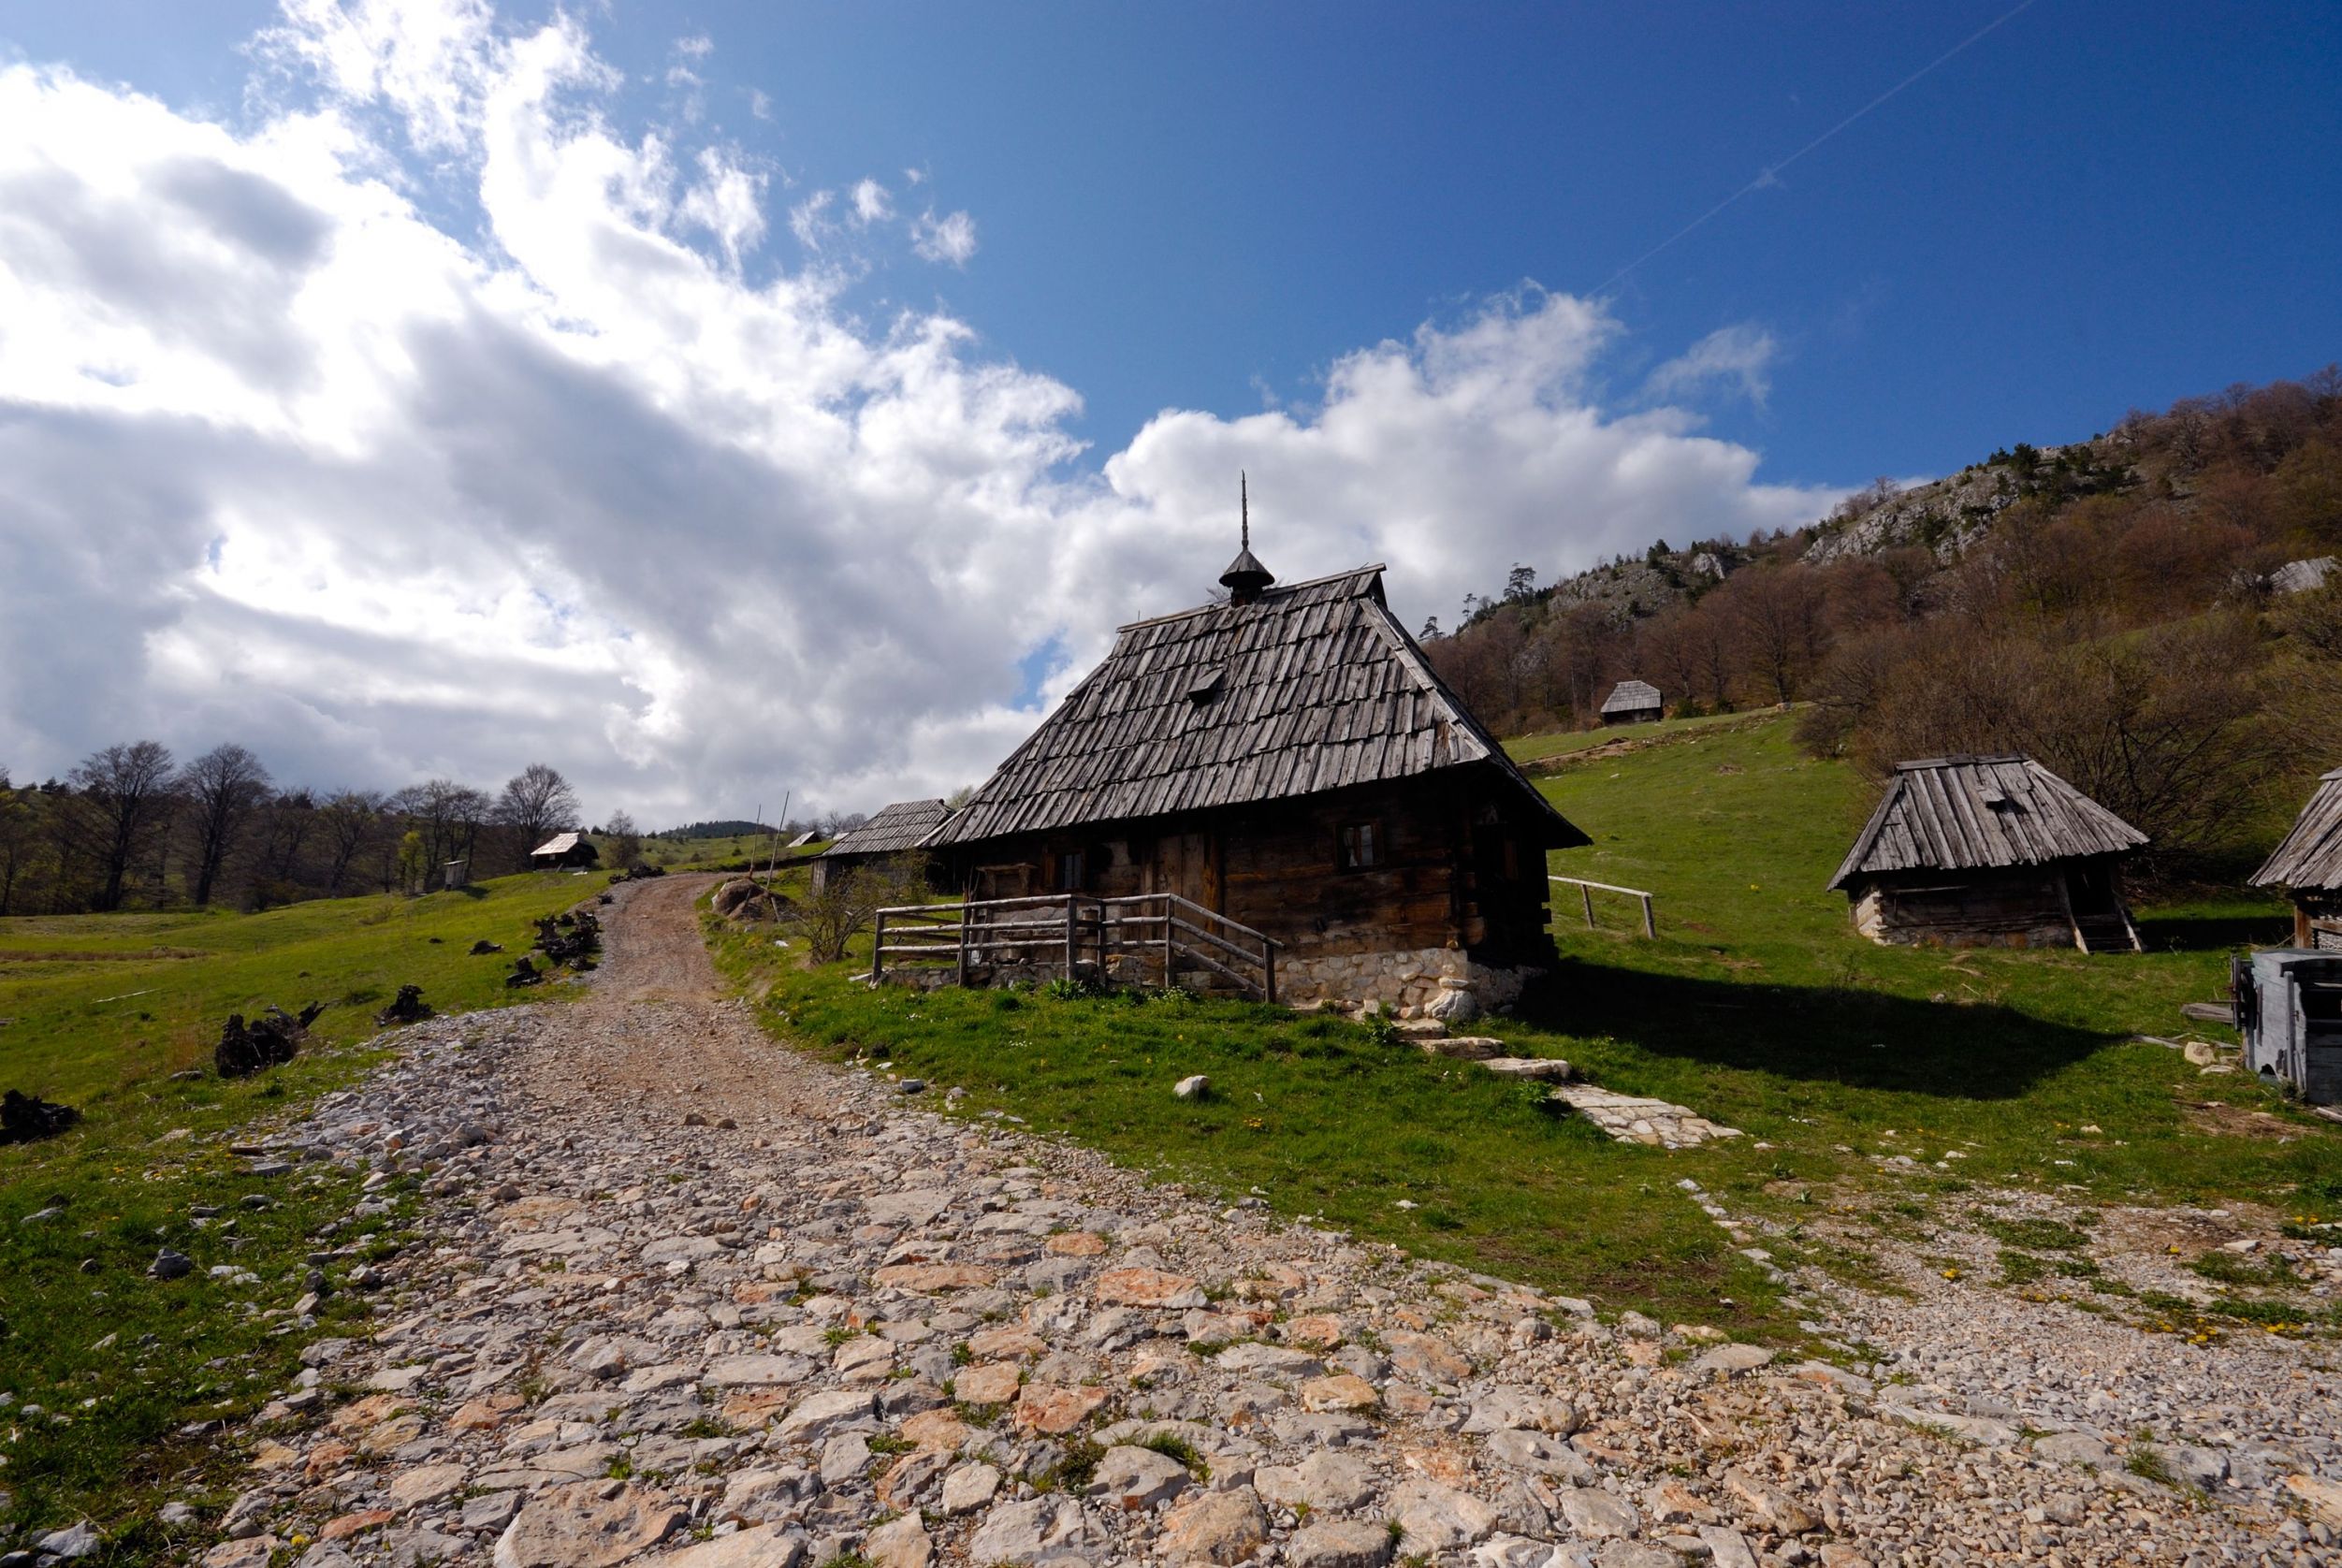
683	1296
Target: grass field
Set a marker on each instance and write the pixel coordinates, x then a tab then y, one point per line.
718	854
1561	743
1756	1006
99	1012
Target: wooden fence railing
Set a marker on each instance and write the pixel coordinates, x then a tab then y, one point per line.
1587	889
1073	933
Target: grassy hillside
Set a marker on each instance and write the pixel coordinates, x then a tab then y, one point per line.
717	854
98	1012
1757	1005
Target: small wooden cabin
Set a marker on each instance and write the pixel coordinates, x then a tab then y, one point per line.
567	851
899	829
1290	761
2308	866
1990	852
1633	702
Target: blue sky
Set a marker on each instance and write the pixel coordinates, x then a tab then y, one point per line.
2095	207
744	371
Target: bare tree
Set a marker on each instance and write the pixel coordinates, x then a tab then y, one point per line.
827	920
351	818
122	801
224	786
537	802
1778	622
626	840
20	838
446	817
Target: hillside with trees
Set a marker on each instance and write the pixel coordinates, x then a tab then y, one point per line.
2146	611
131	828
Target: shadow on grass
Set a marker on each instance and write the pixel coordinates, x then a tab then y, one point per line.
2185	933
1867	1039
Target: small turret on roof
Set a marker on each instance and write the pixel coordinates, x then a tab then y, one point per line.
1245	578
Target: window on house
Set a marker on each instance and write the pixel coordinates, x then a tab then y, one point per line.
1362	846
1070	870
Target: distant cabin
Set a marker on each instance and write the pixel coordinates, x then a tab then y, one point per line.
565	851
1990	852
1633	702
811	835
1288	761
2308	866
899	829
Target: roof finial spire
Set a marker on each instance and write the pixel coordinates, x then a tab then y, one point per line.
1246	576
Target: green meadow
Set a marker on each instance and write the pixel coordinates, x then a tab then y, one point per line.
100	1011
1757	1005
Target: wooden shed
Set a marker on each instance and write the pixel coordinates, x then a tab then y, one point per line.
2308	866
899	829
1633	702
1990	852
564	851
1289	762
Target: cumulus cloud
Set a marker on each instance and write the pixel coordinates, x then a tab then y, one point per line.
1738	358
871	203
949	238
284	459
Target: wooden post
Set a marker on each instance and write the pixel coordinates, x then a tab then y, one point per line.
1649	929
1069	938
1268	966
1587	893
964	918
877	949
1167	942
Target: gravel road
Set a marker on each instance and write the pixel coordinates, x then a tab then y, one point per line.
686	1297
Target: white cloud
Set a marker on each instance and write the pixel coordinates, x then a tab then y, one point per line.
949	238
871	203
698	46
283	460
1739	357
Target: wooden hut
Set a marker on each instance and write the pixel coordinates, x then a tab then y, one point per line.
570	851
1289	762
1990	852
2308	866
899	829
1633	702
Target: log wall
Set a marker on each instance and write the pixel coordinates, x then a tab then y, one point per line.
2025	907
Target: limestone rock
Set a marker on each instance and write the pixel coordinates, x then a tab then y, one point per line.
764	1546
969	1487
899	1543
1215	1527
1036	1528
1137	1478
1437	1518
1339	1543
1592	1511
587	1524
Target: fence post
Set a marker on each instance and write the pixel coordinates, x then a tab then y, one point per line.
878	949
1587	893
1167	942
964	918
1070	900
1649	929
1268	967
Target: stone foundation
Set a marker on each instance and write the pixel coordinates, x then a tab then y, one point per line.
1427	983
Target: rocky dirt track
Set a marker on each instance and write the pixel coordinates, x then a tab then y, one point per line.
687	1298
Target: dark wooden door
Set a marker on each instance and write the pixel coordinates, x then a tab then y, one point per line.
1192	868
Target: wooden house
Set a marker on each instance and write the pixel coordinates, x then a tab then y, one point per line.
570	851
2308	866
1633	702
1990	852
1288	761
899	829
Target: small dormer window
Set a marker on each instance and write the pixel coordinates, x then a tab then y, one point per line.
1206	686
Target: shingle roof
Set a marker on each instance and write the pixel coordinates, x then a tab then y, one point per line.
559	844
1975	813
2311	854
1313	687
1632	696
895	828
